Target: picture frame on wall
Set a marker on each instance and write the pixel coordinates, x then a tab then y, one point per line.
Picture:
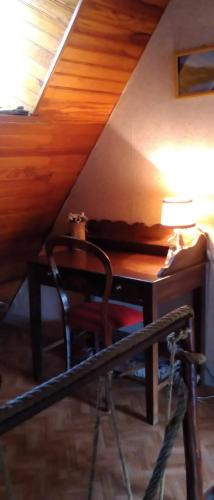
195	72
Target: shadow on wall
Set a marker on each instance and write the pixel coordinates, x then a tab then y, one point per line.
117	183
18	313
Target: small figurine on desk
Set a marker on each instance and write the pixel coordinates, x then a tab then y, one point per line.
77	224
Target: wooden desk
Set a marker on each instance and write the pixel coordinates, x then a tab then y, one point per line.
135	281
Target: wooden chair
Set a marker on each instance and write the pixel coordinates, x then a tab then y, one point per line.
98	317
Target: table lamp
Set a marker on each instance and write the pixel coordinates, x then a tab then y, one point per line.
178	214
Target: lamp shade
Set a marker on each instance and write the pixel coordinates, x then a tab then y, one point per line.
178	213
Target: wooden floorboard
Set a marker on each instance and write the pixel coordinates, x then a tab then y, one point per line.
49	455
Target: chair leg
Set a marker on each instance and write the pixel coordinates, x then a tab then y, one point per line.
95	439
68	347
6	475
106	384
117	436
151	384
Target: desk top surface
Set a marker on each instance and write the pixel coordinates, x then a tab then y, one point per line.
136	266
125	264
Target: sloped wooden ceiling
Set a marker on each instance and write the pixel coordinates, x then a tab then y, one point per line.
42	155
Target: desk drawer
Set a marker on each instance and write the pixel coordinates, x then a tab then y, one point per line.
77	282
127	292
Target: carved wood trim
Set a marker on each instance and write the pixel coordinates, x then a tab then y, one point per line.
186	257
136	237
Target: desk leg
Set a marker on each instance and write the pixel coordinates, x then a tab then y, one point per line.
35	323
199	328
199	307
151	365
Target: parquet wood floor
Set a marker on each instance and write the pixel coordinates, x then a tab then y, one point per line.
49	455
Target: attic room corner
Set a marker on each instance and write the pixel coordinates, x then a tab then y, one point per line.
106	307
153	144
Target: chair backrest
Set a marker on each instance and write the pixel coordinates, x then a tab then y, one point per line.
53	246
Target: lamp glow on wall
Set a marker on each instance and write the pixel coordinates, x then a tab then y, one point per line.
179	214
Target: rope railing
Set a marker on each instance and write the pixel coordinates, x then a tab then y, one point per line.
30	403
179	322
168	443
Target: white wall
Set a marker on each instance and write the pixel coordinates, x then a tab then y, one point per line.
154	144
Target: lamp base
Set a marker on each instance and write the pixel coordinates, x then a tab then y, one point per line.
179	239
170	256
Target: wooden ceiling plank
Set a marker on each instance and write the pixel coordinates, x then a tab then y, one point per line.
33	165
66	67
32	85
38	37
83	83
42	24
78	140
124	45
56	10
25	98
135	8
158	3
94	114
79	95
98	59
113	21
34	203
42	183
35	69
43	20
38	53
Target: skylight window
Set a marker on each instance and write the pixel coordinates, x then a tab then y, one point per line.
12	57
31	35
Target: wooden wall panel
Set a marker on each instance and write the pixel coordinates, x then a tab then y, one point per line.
42	155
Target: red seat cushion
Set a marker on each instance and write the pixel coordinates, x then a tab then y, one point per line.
88	316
